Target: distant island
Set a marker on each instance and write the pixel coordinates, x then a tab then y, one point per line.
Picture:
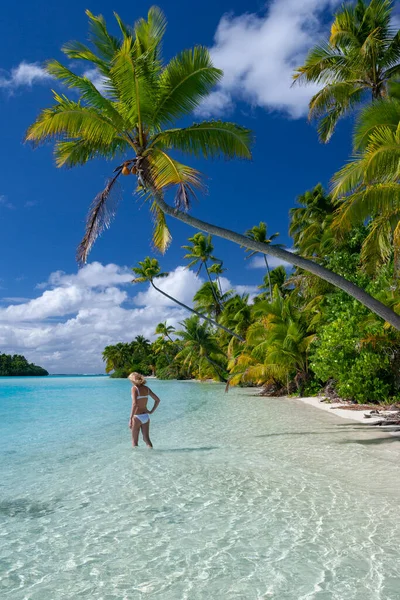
17	365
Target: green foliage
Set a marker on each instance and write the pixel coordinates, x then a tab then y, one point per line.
132	117
358	62
17	365
361	372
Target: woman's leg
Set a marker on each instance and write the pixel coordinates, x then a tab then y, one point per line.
135	432
146	434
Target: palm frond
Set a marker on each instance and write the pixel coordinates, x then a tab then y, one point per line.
68	118
99	218
78	152
186	80
161	233
167	172
210	139
90	95
104	43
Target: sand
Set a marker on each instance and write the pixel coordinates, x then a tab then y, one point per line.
353	415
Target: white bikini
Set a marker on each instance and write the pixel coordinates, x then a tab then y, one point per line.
144	418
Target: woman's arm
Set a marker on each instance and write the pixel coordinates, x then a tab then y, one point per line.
134	406
156	400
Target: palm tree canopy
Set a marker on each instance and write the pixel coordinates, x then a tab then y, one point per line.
278	277
259	233
147	270
209	299
164	330
310	223
131	117
358	61
368	189
199	251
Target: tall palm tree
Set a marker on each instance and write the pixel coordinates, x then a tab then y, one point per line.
199	346
209	299
165	330
259	233
217	269
199	252
141	96
310	223
131	117
149	269
237	315
277	278
368	187
358	61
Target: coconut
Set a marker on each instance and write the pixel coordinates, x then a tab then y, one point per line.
126	170
134	170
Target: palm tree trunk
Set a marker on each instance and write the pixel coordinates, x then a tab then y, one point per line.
218	303
359	294
269	277
199	314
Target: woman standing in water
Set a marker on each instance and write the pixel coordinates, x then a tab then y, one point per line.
140	419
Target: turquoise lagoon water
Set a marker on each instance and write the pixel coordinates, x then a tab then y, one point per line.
242	497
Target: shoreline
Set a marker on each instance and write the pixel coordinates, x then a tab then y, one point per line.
334	408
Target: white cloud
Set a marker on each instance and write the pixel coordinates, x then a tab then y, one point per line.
66	328
97	79
258	54
258	262
92	275
5	203
181	284
25	74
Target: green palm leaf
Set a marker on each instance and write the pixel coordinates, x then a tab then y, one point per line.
210	139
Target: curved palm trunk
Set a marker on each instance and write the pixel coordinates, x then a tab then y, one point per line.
199	314
303	263
269	277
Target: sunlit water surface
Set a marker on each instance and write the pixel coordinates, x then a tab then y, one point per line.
242	497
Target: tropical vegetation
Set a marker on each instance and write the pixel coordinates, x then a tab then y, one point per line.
133	117
17	365
329	320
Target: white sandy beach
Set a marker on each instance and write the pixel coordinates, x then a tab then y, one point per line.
334	408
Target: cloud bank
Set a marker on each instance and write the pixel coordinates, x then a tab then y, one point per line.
259	52
74	316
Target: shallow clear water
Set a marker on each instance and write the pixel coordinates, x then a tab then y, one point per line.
242	497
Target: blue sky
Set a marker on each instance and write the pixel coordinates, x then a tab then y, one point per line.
43	209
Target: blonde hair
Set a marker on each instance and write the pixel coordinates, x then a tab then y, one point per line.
137	378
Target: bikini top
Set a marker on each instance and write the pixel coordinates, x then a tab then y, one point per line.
139	396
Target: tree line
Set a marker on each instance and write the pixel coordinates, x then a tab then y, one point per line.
18	365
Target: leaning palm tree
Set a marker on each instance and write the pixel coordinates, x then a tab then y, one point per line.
165	330
259	233
199	252
358	61
149	269
209	299
217	269
368	187
129	118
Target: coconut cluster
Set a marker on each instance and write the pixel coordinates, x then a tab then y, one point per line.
127	170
